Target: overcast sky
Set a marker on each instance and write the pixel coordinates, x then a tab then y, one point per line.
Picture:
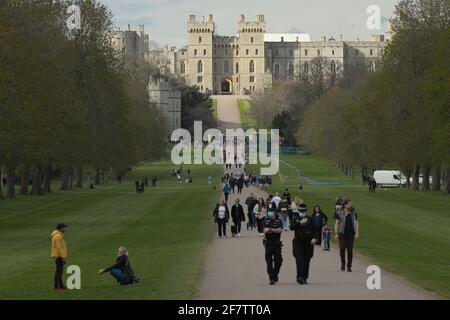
165	20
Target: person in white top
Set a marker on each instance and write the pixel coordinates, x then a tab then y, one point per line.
221	216
277	199
260	214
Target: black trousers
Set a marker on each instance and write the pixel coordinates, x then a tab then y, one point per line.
346	243
59	272
222	227
303	254
318	234
260	225
274	260
226	196
238	226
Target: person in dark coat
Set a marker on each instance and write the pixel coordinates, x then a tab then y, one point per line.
303	242
319	218
221	216
121	270
273	227
238	216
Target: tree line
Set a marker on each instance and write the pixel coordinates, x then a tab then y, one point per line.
70	106
397	117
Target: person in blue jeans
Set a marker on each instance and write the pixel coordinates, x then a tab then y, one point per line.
121	270
226	191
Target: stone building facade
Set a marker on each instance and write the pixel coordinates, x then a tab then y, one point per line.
253	59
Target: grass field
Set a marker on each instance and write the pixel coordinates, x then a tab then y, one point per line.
404	232
166	231
244	109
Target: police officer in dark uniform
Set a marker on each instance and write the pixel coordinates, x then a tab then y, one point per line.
272	235
303	243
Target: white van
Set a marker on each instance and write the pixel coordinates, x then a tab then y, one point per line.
389	178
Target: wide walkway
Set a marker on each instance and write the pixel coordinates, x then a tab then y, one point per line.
235	267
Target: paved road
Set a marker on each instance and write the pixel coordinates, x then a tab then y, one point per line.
235	267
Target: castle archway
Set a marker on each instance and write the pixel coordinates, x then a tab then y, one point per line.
226	86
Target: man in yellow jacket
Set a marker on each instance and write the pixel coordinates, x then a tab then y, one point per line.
59	254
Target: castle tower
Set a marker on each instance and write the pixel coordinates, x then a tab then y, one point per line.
251	58
199	62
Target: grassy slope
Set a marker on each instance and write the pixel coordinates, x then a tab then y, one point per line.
165	230
405	232
244	109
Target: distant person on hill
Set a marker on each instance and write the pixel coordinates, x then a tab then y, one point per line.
260	215
226	191
287	196
221	216
121	270
238	216
210	179
137	185
146	181
142	186
119	179
59	254
179	177
154	181
346	231
318	220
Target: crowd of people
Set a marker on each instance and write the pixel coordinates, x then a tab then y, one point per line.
274	215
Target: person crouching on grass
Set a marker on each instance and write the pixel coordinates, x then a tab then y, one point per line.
59	254
121	270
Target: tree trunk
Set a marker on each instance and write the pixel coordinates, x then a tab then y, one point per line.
1	185
11	183
447	184
426	178
47	185
97	177
25	181
363	174
79	183
436	184
70	178
64	179
37	181
415	184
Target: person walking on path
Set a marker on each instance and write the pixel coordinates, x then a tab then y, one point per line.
59	254
283	209
121	270
287	196
221	217
326	236
251	202
319	219
238	216
303	243
346	231
260	214
226	192
272	243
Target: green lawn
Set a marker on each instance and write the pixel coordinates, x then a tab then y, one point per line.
244	109
405	232
166	231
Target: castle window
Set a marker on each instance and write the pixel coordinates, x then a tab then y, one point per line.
371	52
199	39
332	52
333	68
277	68
247	52
356	52
372	66
183	68
291	52
237	67
195	52
252	39
199	66
199	79
252	79
225	67
237	79
204	52
252	66
306	68
282	39
226	52
291	68
237	52
276	53
215	67
306	52
318	52
256	52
